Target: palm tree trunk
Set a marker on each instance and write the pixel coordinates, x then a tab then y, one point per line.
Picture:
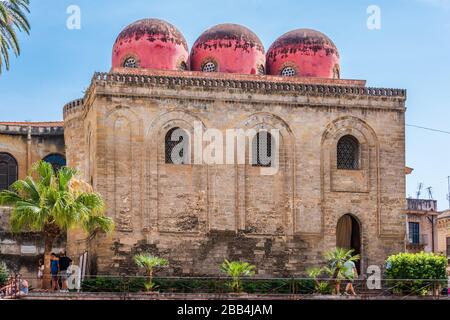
47	251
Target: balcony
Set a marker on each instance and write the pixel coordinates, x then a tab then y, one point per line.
417	243
421	205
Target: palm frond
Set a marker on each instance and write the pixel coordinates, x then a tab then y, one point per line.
12	18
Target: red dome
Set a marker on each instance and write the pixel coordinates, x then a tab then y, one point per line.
152	44
228	48
303	53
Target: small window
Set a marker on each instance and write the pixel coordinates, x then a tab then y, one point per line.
414	232
336	72
288	72
262	149
261	70
348	153
210	67
8	170
177	146
130	63
56	160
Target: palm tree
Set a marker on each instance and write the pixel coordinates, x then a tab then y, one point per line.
236	270
49	204
12	18
149	263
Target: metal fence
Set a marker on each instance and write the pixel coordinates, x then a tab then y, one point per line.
128	285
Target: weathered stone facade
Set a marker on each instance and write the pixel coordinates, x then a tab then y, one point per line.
196	214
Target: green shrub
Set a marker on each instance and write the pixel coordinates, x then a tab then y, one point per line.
429	269
4	273
102	284
187	285
236	270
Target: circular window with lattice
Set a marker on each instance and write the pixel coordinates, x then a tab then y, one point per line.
209	67
130	63
288	72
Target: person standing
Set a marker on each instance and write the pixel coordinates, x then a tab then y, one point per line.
41	267
64	263
54	270
351	274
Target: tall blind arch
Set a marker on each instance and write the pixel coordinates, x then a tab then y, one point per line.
8	170
176	146
348	153
263	149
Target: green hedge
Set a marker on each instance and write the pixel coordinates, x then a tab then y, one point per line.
421	266
186	285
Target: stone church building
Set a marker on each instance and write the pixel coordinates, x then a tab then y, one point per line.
340	153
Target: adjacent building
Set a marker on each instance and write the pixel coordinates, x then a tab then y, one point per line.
421	225
443	231
21	145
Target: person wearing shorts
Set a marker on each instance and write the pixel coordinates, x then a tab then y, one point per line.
54	270
350	274
64	263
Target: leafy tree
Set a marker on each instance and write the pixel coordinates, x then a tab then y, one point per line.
52	203
236	270
12	18
149	263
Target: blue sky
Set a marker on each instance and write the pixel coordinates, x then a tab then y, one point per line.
412	51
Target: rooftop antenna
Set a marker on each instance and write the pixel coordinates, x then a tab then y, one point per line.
419	189
430	194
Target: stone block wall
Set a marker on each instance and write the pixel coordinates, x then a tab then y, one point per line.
196	215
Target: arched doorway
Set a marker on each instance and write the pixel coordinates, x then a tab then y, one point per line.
348	235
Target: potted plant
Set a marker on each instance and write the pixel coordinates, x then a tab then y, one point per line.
149	263
236	270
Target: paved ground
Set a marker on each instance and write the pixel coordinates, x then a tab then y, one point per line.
169	296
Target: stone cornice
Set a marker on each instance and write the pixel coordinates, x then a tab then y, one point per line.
25	129
239	83
249	83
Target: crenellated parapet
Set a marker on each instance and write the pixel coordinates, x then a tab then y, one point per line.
249	83
73	107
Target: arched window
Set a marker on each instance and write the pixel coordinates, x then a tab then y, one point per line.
348	153
288	72
263	149
209	67
8	170
56	160
130	62
177	146
182	66
260	70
